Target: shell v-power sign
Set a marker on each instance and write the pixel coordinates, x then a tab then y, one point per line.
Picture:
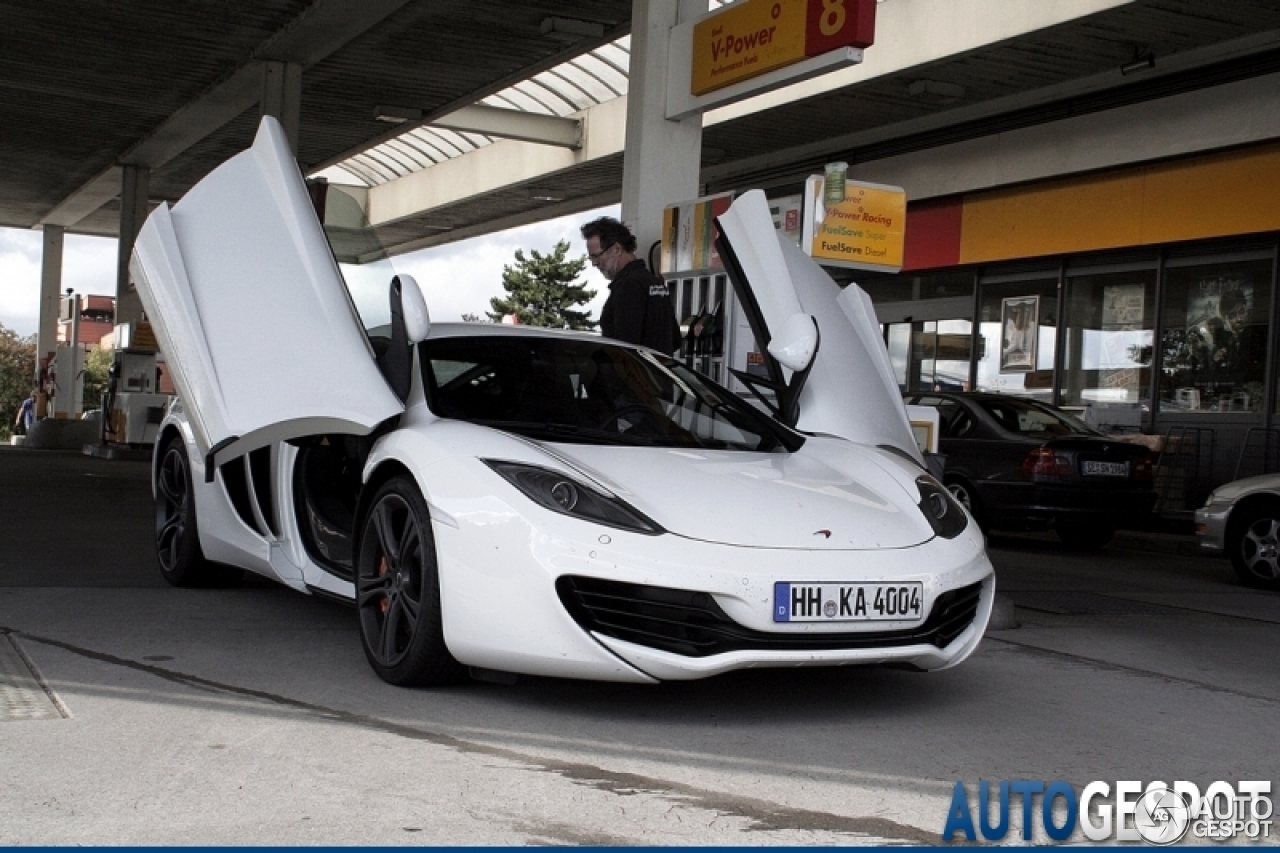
752	38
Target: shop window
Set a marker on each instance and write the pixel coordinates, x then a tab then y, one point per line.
1109	331
902	287
1214	343
1018	326
931	355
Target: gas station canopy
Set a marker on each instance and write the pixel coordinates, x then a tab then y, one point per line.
88	87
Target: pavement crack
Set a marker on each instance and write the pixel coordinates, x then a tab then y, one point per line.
1132	670
761	815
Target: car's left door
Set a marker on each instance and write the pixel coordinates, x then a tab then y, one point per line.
251	310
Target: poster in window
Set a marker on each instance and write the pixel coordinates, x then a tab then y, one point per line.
1218	338
1019	324
1122	339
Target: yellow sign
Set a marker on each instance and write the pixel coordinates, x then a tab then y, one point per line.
860	225
689	234
746	39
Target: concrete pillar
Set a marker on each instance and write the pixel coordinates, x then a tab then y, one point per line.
134	207
50	289
661	162
282	97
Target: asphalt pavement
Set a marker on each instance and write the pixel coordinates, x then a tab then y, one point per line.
134	713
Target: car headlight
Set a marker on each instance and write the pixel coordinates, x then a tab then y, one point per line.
561	493
944	514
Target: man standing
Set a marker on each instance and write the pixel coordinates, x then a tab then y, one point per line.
639	309
26	414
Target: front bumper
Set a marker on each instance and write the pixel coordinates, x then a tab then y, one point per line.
1211	527
1041	504
502	609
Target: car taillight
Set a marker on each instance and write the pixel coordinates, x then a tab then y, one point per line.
1142	470
1044	462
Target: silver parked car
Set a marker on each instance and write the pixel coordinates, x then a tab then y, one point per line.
1241	519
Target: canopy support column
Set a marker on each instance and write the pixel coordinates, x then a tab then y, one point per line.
134	207
50	288
661	164
282	97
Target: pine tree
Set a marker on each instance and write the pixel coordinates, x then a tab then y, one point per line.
541	291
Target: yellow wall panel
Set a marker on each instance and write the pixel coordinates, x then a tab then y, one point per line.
1067	216
1230	193
1216	195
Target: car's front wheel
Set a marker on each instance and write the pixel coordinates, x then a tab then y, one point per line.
1253	541
398	590
182	561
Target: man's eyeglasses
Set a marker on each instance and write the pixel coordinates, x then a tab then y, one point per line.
595	256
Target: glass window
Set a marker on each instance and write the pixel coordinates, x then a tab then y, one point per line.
1110	328
1026	418
1214	346
901	287
1018	325
932	355
587	392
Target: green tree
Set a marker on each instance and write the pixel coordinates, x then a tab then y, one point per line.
97	362
541	291
17	375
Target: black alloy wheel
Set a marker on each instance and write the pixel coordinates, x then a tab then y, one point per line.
182	561
398	590
1253	542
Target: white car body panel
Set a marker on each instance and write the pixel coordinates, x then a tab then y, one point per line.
861	405
836	509
250	308
500	557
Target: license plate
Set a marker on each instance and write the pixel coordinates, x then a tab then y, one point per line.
847	602
1106	469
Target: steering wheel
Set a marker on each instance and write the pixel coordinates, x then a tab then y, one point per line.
613	417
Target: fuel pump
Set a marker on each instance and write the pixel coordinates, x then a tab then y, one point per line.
132	405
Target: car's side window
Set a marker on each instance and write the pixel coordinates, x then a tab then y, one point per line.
465	388
956	422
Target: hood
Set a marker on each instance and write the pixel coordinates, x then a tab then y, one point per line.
841	500
251	311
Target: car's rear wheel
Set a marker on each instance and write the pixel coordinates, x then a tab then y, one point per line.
398	590
1254	544
962	490
1084	536
182	561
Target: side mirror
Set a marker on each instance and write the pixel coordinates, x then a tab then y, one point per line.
417	320
796	342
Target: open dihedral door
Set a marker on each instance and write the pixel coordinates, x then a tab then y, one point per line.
251	311
846	388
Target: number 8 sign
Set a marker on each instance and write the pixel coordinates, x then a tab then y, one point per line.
833	24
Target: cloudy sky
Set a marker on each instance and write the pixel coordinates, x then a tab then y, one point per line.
457	279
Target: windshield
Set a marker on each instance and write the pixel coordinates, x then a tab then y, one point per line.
1027	418
561	389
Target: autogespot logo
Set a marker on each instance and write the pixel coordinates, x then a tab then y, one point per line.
1128	811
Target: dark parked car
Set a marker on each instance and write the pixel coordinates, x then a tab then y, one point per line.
1017	464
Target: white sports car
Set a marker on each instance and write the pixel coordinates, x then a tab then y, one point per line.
518	500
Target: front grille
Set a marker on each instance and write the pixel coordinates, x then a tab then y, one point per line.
692	624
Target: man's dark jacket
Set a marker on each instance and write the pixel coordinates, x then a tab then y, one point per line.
639	310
